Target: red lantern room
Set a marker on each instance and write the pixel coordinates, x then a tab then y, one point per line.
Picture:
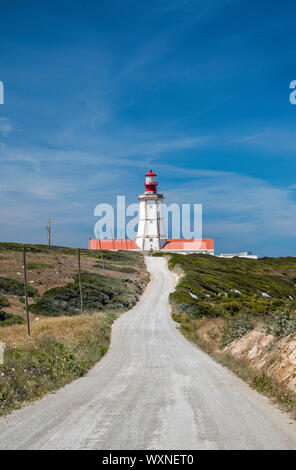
150	182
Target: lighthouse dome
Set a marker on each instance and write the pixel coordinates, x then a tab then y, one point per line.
150	173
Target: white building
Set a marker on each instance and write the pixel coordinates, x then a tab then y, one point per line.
151	233
244	254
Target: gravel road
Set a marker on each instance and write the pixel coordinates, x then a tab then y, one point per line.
152	390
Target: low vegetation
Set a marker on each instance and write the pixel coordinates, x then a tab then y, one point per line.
218	301
8	319
39	266
99	292
116	281
60	350
4	302
14	287
282	322
225	287
64	342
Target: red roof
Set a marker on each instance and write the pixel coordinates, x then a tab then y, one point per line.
172	244
193	244
107	244
150	173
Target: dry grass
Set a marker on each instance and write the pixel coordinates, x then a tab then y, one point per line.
64	329
59	350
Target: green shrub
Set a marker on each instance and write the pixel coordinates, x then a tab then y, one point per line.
235	328
39	265
50	306
13	287
97	292
283	321
4	302
215	282
7	319
121	269
158	254
195	310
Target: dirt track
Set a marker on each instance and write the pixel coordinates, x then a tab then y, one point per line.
153	390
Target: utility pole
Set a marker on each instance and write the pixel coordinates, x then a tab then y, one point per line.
79	278
48	230
26	290
101	249
126	242
112	239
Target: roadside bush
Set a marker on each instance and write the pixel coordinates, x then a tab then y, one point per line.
195	310
13	287
48	305
283	321
120	269
235	328
39	265
97	291
7	319
4	302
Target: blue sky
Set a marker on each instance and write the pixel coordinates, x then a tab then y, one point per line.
97	92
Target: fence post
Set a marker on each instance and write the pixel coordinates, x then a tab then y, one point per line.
112	240
101	251
79	278
26	290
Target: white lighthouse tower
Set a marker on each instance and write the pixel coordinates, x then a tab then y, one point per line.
151	233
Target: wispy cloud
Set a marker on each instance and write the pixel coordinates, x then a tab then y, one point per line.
273	140
246	209
5	125
248	138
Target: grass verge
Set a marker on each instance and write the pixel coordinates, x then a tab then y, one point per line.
59	350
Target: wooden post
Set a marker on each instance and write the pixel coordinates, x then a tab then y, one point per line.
79	278
101	251
121	242
126	242
26	290
48	231
112	240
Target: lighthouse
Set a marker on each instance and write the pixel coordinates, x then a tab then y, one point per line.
151	233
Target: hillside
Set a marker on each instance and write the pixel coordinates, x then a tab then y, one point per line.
52	274
64	342
243	312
